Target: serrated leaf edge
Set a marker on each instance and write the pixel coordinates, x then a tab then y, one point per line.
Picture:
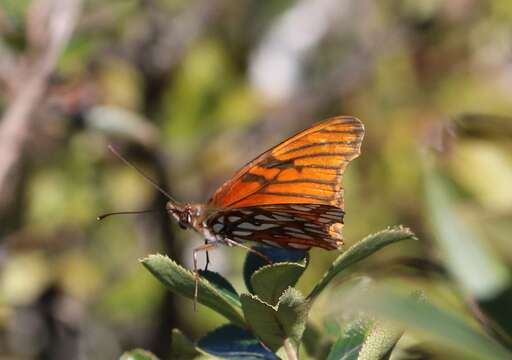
271	266
291	289
256	298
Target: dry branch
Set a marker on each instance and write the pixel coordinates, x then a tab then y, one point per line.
59	20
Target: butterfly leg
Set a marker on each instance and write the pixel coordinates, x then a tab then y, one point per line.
207	246
207	256
255	252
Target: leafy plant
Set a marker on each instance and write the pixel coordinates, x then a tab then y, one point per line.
270	319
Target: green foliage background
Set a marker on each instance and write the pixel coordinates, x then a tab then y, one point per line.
172	84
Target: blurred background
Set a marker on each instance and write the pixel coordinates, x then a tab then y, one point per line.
192	90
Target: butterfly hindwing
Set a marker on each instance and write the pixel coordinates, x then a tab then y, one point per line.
305	169
300	226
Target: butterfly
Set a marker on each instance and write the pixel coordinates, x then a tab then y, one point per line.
290	196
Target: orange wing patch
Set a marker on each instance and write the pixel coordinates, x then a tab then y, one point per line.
304	169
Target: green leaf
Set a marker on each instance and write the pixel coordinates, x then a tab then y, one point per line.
478	271
181	347
360	251
380	341
138	354
255	262
292	312
269	282
182	281
261	318
349	344
122	123
232	342
221	283
276	324
436	323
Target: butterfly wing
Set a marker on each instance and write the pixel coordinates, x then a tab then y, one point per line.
304	169
299	226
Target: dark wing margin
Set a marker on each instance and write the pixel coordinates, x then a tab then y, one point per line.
298	226
304	169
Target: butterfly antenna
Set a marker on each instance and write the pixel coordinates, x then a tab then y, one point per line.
148	179
103	216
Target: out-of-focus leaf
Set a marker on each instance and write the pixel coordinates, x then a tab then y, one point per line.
316	344
138	354
253	262
360	251
122	123
480	272
437	324
181	281
23	278
232	342
349	344
270	281
276	324
477	270
484	126
181	347
490	186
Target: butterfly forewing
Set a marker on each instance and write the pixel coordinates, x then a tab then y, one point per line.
300	226
305	169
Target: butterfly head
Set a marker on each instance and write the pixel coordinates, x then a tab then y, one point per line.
186	215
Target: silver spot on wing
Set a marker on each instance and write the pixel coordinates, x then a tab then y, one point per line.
263	218
242	233
293	229
301	236
250	226
300	207
284	217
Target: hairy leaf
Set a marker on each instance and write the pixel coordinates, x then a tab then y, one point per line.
181	281
380	341
254	262
269	282
275	324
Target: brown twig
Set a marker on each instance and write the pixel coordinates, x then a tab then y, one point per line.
61	17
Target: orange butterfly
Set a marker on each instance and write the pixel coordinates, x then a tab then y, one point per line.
290	196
